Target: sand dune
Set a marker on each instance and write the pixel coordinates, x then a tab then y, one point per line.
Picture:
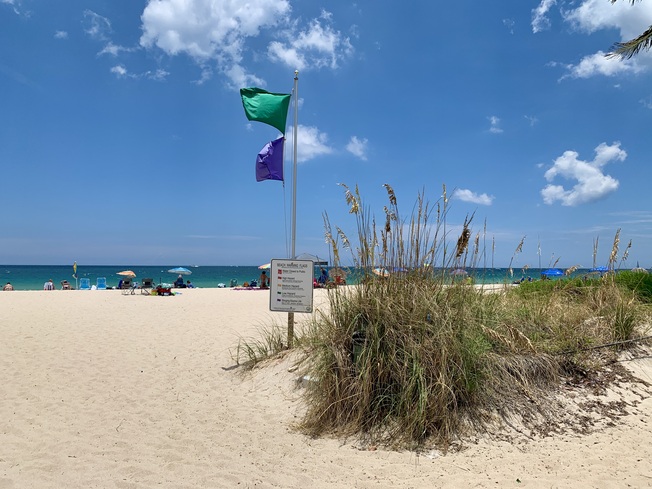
102	390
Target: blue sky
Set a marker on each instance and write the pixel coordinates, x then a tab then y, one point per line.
123	139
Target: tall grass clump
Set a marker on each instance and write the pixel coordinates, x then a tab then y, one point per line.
411	354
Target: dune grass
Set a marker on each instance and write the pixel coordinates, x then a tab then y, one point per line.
418	356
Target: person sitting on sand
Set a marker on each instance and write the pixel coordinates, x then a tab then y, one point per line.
49	285
8	286
264	280
178	283
189	285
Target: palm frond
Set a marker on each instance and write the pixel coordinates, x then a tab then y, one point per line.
627	49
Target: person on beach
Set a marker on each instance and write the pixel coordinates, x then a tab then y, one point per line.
49	285
264	280
178	283
189	285
323	277
8	286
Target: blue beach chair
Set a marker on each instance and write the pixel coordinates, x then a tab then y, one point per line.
101	283
84	284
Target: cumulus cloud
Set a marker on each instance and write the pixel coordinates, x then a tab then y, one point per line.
494	125
358	147
218	32
311	143
466	195
210	30
540	21
317	46
598	64
61	35
592	184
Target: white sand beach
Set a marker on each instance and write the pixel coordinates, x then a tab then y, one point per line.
103	390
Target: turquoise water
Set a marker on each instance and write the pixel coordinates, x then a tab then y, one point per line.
32	277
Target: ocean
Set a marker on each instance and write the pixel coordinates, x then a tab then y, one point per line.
32	277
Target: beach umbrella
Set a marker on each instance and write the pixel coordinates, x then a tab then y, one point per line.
266	266
127	273
552	272
599	269
180	271
381	272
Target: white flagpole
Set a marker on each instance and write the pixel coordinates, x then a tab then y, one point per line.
294	194
294	169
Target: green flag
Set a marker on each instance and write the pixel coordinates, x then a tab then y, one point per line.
263	106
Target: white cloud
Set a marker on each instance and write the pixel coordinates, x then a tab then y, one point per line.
157	75
218	31
646	102
310	143
119	70
592	184
61	35
466	195
113	49
595	15
13	4
495	125
318	46
531	119
210	29
598	64
540	21
358	147
96	26
509	23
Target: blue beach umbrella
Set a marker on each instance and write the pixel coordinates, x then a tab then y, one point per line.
599	269
180	271
552	272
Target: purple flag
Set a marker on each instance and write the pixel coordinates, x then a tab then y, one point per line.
269	162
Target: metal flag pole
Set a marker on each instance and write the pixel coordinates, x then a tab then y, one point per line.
294	194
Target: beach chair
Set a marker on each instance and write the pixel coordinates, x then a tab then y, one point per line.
101	283
84	284
126	283
65	285
147	286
